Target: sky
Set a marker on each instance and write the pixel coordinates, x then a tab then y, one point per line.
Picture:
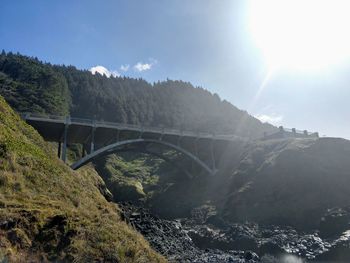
209	43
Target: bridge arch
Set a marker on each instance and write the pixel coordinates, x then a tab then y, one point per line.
112	148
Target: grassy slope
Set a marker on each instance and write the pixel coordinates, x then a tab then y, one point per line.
48	212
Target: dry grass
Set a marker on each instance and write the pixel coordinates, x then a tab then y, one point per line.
50	213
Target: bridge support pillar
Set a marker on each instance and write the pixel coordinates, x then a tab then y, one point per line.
141	133
83	150
212	155
118	135
65	136
178	142
195	146
92	143
162	134
59	150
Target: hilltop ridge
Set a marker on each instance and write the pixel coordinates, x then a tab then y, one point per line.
33	86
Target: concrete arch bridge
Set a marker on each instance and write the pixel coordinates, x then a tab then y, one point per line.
100	138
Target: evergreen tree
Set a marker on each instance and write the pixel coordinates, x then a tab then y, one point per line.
32	86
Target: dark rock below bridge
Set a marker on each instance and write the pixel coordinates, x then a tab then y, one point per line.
188	240
170	238
290	182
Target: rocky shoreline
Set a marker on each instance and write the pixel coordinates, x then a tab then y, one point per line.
171	239
210	239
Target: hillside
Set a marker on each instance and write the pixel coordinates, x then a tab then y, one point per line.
289	182
31	85
50	213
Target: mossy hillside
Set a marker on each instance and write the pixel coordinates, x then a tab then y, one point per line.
50	213
130	176
165	189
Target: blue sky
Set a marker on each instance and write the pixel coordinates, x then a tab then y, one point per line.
206	42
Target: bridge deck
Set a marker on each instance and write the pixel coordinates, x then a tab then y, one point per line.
52	129
100	138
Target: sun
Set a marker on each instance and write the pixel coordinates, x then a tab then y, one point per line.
301	34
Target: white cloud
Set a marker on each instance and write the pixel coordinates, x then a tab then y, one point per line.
272	118
139	66
104	71
125	67
142	67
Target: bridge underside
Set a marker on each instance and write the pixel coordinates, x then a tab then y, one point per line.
143	145
101	140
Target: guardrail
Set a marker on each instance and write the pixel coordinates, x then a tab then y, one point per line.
142	128
287	132
282	132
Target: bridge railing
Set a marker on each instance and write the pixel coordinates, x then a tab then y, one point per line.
41	115
287	132
80	120
170	131
142	128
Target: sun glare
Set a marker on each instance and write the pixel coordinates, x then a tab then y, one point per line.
301	34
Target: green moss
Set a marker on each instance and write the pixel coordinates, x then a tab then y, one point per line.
130	177
50	213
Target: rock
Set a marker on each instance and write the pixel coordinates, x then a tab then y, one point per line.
19	238
3	151
101	186
7	224
202	213
217	221
334	222
339	250
173	240
289	182
135	214
131	191
187	240
55	235
251	256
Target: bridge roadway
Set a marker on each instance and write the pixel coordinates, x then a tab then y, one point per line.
100	138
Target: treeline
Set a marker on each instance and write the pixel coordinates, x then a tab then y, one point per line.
31	85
